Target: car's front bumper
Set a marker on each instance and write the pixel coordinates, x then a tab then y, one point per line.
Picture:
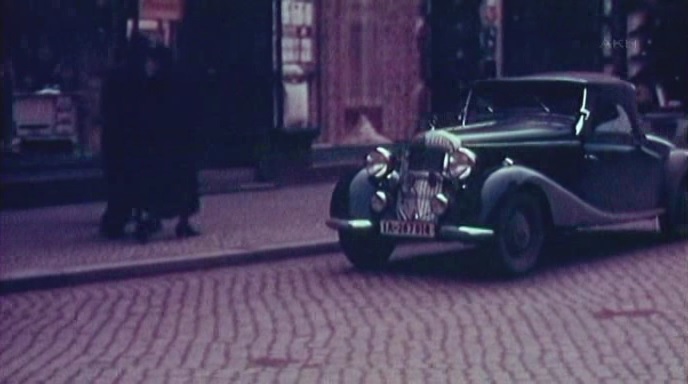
444	232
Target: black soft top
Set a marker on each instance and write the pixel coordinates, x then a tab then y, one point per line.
599	86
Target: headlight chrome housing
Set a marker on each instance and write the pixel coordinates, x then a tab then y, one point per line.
378	162
459	163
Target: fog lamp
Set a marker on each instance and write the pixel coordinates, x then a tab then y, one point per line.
439	204
393	179
378	202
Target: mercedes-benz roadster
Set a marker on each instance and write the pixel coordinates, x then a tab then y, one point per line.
527	156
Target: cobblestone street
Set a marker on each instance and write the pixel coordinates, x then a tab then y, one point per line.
612	307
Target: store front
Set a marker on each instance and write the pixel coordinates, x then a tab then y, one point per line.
54	57
256	63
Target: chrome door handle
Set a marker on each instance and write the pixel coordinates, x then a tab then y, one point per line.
590	156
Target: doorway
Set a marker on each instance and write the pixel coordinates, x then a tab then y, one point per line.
227	46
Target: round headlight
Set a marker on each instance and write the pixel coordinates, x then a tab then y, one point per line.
378	202
459	164
378	162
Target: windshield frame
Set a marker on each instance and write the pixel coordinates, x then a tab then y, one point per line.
582	94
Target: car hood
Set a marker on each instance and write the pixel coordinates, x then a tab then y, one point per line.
512	131
492	141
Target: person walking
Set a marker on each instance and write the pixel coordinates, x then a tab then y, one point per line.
167	182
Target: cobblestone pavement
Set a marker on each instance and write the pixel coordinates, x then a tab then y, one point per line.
46	240
611	307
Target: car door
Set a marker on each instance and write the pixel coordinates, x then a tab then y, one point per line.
620	173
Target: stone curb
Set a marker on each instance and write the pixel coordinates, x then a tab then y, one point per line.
45	279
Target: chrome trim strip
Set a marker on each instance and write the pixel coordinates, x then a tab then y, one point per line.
342	224
650	152
464	233
568	143
465	107
623	217
608	147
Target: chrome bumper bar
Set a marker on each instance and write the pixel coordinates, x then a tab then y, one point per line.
445	232
341	224
463	233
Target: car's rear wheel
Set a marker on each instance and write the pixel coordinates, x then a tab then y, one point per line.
366	251
674	223
519	235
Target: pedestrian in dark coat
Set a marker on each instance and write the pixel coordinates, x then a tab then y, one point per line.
118	146
167	179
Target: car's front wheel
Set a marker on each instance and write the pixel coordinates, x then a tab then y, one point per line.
519	235
365	251
674	223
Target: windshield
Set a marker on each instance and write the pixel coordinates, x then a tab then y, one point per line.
492	101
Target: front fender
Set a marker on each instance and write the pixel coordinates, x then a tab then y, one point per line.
501	183
565	208
351	197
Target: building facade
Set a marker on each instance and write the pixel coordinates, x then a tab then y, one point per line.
328	72
372	86
342	72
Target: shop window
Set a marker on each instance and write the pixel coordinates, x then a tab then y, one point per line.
58	51
299	60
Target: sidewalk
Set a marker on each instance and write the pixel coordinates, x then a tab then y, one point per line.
26	183
61	244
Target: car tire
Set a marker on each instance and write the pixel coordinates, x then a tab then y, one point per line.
366	251
674	223
519	235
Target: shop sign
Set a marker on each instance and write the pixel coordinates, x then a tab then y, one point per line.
161	9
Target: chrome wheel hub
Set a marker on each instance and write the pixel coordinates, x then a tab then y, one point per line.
518	233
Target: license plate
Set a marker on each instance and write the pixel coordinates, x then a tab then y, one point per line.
407	228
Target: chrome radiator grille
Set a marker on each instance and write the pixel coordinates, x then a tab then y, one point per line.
421	171
417	190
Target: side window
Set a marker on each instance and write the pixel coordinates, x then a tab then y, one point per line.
611	123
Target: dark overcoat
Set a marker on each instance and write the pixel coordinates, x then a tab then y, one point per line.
167	177
119	166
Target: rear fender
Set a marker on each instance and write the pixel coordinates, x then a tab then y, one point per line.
676	172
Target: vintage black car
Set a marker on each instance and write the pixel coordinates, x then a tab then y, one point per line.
527	156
